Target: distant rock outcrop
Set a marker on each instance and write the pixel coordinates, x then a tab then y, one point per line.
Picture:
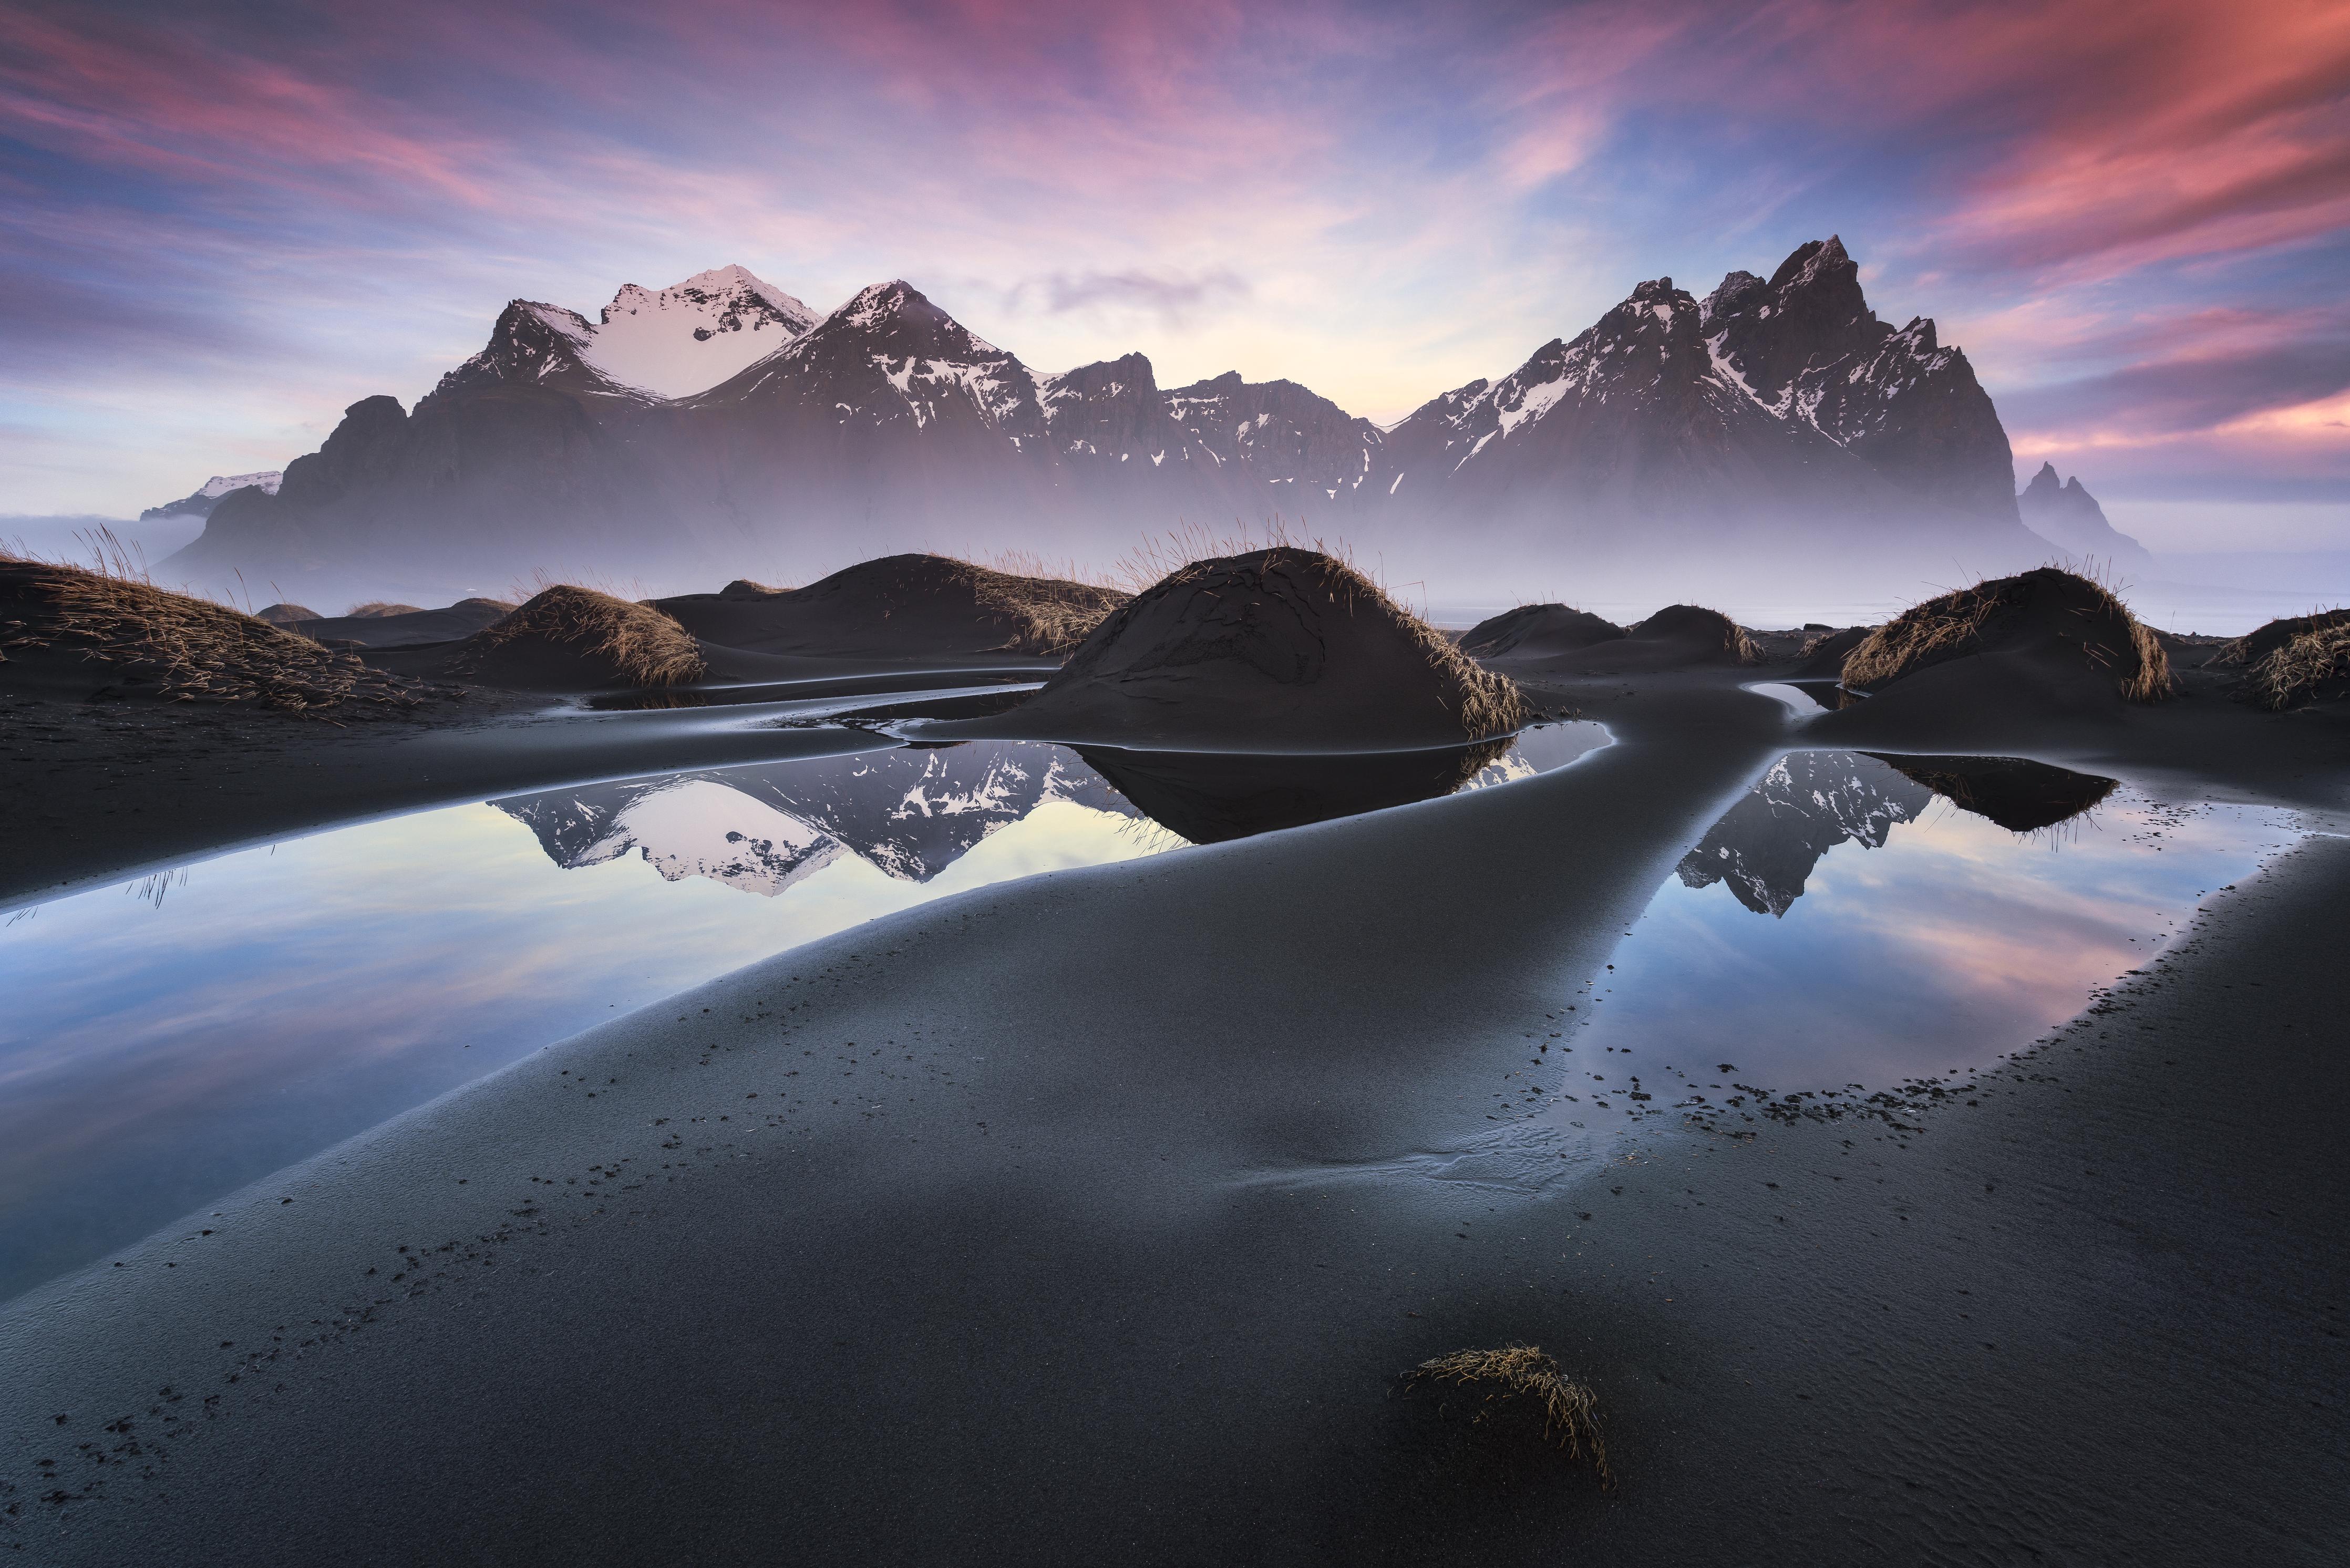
2067	515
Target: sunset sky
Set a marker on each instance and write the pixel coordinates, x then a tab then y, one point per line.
222	222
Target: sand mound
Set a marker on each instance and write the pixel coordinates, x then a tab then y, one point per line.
377	609
150	641
2021	796
410	629
900	606
1824	654
1535	631
1708	629
1679	637
575	639
1278	649
2064	624
284	614
2312	664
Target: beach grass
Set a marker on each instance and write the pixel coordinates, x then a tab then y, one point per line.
1519	1382
1956	624
647	647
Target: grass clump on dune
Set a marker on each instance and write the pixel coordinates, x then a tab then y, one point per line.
2255	646
1049	614
2046	603
644	647
1521	1384
182	647
1485	704
2310	664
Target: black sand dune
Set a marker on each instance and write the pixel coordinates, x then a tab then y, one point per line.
405	627
1095	1217
567	639
900	606
1679	637
1821	656
75	635
2047	636
1279	649
1536	631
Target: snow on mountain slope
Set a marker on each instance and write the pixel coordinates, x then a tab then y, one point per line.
200	503
690	336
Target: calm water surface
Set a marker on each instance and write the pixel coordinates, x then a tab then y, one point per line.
1849	927
168	1040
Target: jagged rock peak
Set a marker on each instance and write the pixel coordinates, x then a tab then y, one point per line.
737	292
1730	295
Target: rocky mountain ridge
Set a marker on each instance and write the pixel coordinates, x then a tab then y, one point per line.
1773	418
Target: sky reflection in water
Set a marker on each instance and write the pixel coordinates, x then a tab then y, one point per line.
1844	924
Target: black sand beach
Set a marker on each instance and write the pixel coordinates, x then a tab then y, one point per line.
1127	1194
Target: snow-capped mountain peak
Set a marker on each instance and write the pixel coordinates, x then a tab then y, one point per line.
220	484
206	495
648	344
688	337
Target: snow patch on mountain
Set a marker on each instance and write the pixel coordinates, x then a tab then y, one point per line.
199	501
688	337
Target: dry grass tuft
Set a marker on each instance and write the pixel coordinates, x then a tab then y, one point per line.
1049	615
186	649
2255	646
647	647
1957	624
2313	664
1520	1379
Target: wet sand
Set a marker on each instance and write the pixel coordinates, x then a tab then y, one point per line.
1094	1216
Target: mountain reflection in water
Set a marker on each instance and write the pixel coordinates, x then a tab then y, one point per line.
914	811
908	812
1765	847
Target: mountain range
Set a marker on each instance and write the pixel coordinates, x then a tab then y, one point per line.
722	429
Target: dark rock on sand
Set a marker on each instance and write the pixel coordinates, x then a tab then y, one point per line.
898	606
1279	649
1534	631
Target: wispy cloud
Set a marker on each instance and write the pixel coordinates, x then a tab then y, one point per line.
1174	299
220	226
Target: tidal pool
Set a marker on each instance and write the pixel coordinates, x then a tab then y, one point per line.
170	1039
1859	926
